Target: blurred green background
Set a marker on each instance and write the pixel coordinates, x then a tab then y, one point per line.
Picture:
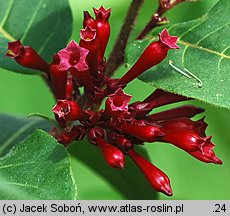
190	179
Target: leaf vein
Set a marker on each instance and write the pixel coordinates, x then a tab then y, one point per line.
204	49
218	65
50	35
210	33
7	35
20	184
7	13
190	29
19	164
17	134
31	20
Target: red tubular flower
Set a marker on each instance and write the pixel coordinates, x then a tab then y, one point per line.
185	123
26	56
73	58
161	98
158	179
103	29
209	156
68	109
182	111
152	55
117	103
120	126
58	78
147	133
113	156
90	42
156	99
88	20
189	136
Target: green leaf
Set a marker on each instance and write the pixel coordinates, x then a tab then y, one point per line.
45	25
14	129
37	168
204	50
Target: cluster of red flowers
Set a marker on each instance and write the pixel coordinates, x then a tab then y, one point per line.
122	125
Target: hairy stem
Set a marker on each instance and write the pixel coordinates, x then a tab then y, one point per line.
117	55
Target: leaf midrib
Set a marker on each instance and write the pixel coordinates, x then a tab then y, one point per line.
222	55
7	35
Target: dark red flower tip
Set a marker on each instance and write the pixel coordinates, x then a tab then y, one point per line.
155	53
207	158
157	179
73	56
69	87
147	133
206	153
117	103
119	140
190	136
88	20
76	133
113	156
168	40
68	109
26	56
182	111
88	34
102	13
94	133
14	49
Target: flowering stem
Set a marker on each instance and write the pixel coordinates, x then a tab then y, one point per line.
116	57
156	17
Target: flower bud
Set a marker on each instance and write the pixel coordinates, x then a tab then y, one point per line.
157	179
26	56
68	109
113	156
152	55
103	29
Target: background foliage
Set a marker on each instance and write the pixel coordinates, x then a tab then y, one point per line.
190	179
